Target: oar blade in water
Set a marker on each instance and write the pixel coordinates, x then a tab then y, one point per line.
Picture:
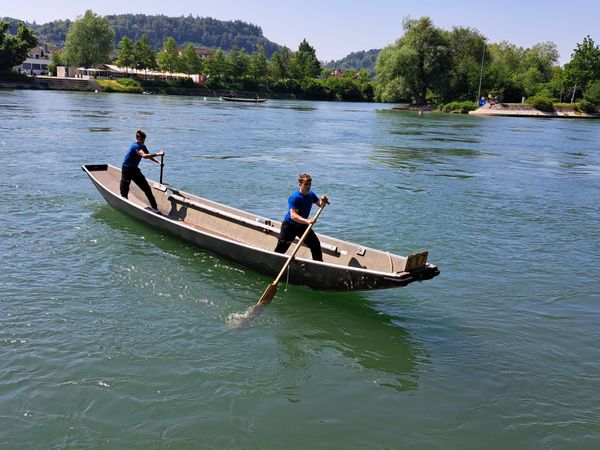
268	295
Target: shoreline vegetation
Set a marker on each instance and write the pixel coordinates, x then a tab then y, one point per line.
127	85
451	71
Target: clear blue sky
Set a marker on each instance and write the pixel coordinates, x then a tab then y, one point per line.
338	27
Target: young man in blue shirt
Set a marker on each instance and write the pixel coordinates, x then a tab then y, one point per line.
131	172
296	220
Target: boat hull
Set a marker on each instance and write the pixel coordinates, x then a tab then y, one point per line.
230	233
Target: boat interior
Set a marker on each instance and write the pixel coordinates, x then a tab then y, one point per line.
243	227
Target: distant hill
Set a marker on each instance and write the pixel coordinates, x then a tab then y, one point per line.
202	31
356	61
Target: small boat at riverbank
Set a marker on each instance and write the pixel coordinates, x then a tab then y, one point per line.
244	99
249	240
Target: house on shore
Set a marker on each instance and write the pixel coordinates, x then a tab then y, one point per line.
37	61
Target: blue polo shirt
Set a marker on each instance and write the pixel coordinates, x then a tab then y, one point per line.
132	158
302	204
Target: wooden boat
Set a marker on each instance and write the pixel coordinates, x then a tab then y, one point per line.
244	99
249	239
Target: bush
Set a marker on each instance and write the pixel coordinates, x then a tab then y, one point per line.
592	93
128	82
314	90
458	107
117	86
587	107
12	75
540	103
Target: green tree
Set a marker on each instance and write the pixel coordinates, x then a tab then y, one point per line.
168	57
514	72
584	66
280	64
536	68
125	54
259	68
592	92
216	66
418	61
190	61
90	41
144	56
467	46
304	63
500	75
14	49
238	63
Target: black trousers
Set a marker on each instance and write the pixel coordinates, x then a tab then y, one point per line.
129	174
289	232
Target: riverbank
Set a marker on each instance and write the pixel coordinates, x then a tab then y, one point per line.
77	84
169	88
522	110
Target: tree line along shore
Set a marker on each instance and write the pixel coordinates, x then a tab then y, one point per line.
453	70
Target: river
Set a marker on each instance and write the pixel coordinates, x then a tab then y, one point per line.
114	335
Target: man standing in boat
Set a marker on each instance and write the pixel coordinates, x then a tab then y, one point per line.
296	220
131	172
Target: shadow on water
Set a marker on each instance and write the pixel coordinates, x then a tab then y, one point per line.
294	107
348	324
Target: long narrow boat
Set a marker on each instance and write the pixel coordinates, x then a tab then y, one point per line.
249	240
244	99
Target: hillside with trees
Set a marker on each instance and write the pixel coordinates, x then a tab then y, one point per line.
202	31
362	60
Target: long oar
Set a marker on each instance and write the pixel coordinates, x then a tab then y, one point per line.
269	293
162	165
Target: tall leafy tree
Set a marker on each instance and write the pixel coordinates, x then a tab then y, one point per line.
500	75
467	49
190	61
144	56
418	61
125	54
168	57
584	66
259	68
280	64
14	49
216	66
237	63
90	41
514	72
304	63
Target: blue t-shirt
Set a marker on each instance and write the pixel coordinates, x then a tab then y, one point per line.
132	158
302	204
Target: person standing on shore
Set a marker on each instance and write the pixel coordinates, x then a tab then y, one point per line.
131	172
296	220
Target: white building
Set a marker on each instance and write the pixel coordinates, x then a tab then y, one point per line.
37	62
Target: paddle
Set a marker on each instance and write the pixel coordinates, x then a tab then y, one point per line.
160	186
162	164
269	293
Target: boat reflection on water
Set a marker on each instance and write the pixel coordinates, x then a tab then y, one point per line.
349	325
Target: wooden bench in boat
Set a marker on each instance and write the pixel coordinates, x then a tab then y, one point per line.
266	227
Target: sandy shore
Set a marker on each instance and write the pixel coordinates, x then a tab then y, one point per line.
519	109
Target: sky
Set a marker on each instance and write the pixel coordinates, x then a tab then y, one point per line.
335	28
